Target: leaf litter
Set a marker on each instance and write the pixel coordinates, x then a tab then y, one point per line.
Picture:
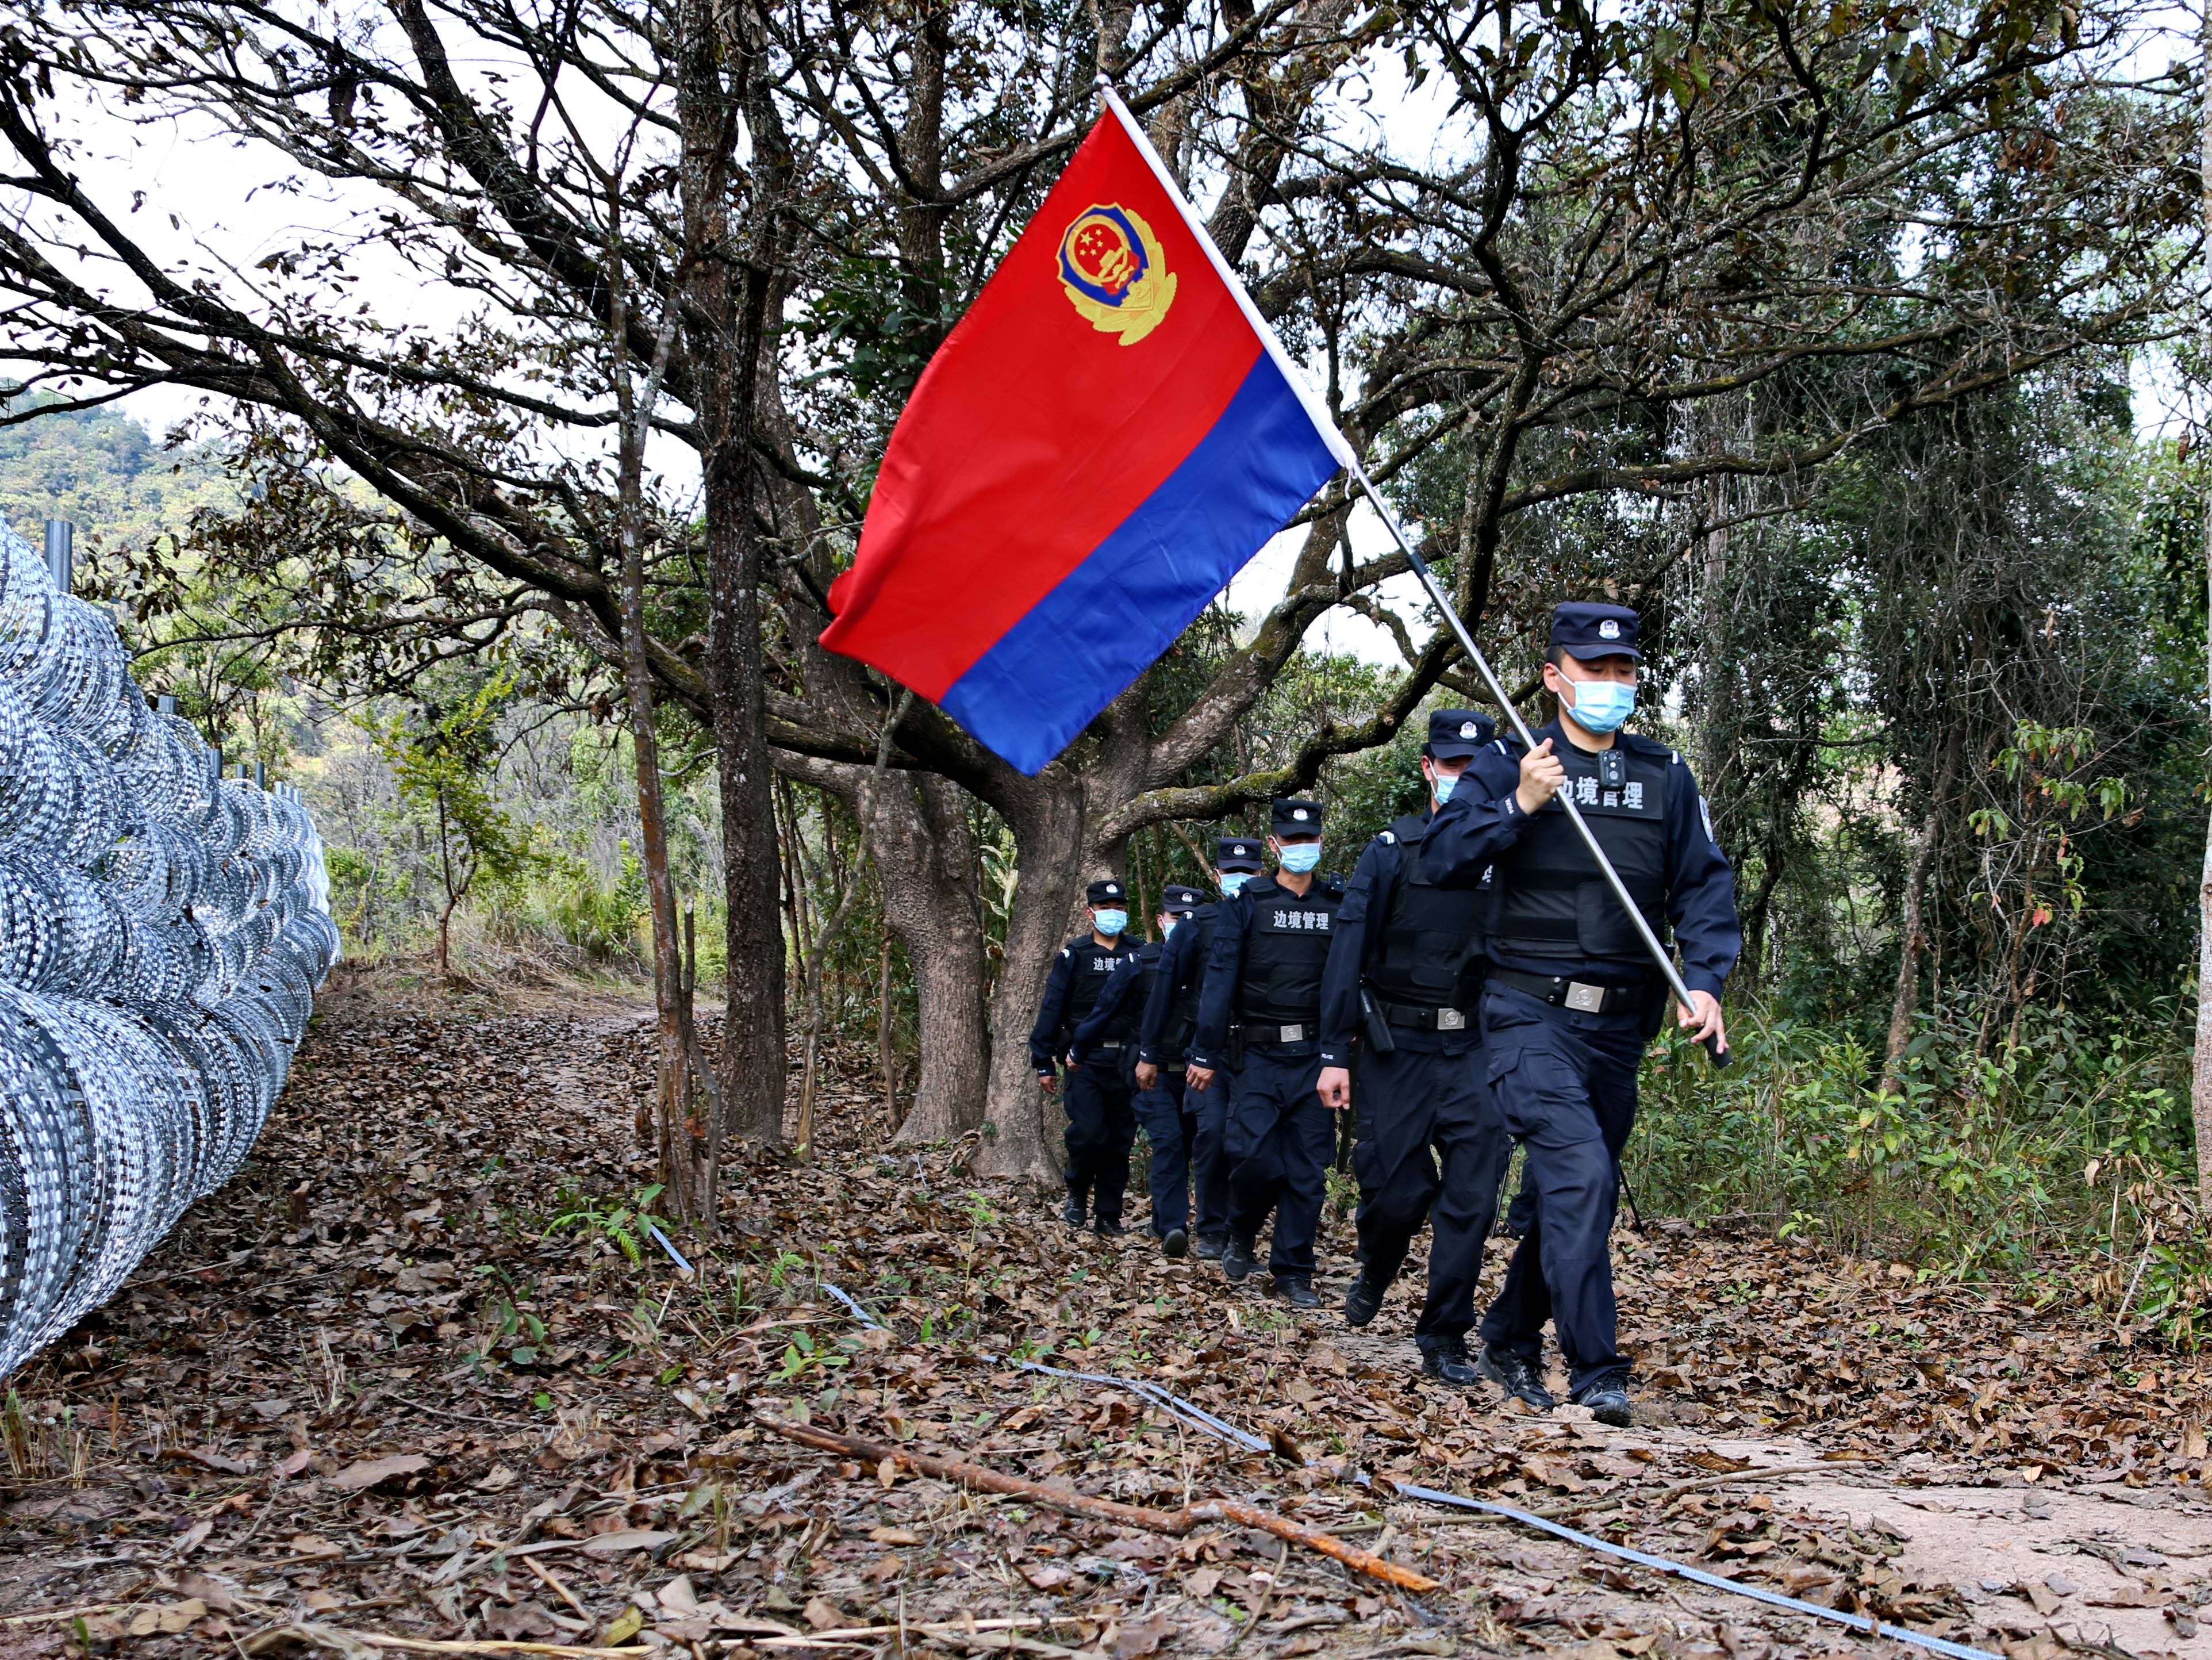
418	1376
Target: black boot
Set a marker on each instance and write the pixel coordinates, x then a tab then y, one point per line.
1076	1212
1517	1375
1362	1297
1175	1242
1607	1399
1211	1245
1238	1261
1109	1227
1296	1290
1444	1358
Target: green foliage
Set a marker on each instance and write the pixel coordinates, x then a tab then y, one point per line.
1980	1164
444	764
625	1224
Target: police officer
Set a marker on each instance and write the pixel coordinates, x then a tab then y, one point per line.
1259	1007
1405	968
1102	1126
1159	1093
1573	996
1171	1023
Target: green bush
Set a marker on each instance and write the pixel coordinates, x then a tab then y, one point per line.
1978	1164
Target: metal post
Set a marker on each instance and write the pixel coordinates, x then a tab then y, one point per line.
261	775
61	549
1443	602
166	703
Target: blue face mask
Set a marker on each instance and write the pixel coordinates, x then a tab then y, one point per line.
1443	784
1233	881
1110	922
1299	857
1602	706
1167	929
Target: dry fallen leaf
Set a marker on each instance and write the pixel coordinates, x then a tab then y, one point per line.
358	1478
622	1540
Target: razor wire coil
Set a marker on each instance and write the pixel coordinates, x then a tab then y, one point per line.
162	932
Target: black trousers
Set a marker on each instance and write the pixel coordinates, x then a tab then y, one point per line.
1566	1087
1432	1147
1102	1127
1170	1120
1278	1145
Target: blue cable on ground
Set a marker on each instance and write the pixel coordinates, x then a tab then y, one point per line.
1198	1416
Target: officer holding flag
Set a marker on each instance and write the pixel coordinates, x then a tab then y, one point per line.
1572	994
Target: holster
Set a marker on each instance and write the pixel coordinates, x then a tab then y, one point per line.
1376	1027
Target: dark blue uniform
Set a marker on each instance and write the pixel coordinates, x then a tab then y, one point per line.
1170	1022
1571	1000
1430	1145
1169	1125
1260	1005
1101	1122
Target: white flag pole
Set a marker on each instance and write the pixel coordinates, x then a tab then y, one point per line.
1338	447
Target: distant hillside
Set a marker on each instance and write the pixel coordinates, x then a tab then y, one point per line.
102	470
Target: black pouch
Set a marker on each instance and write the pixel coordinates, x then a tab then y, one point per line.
1656	996
1236	1048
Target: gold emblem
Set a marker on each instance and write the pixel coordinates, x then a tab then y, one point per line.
1114	272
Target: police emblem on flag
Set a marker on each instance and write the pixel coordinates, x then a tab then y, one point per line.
1114	272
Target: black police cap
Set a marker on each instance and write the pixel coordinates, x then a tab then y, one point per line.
1180	900
1294	815
1584	628
1236	853
1455	735
1109	892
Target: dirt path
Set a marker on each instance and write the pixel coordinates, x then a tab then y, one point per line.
380	1384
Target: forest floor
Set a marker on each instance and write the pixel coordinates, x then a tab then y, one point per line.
374	1394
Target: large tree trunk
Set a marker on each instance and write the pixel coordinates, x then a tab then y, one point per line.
926	859
734	309
1026	1126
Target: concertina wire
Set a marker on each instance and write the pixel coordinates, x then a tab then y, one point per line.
162	932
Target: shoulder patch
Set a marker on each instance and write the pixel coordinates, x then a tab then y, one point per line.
1388	838
1067	951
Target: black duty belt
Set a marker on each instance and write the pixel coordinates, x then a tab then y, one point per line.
1418	1018
1581	995
1306	1033
1114	1044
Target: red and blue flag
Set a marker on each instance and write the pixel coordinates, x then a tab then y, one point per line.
1100	444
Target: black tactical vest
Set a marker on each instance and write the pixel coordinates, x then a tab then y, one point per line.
1182	1024
1131	1016
1285	944
1086	977
1431	935
1548	897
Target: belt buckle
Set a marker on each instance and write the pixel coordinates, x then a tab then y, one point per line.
1450	1020
1585	998
1292	1035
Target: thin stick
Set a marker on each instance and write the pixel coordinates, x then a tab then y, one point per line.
1106	1510
552	1583
44	1615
